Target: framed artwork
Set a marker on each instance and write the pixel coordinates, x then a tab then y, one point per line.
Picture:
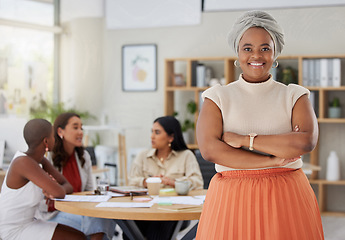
139	67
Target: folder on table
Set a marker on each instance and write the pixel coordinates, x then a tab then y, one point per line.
127	190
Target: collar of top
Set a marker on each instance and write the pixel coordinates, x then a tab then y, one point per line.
256	87
152	153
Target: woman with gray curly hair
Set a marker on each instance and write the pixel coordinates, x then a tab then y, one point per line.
260	128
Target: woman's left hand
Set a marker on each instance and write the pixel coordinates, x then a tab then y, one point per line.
233	139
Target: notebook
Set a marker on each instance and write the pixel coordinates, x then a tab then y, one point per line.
127	190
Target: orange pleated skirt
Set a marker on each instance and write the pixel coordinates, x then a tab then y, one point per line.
268	204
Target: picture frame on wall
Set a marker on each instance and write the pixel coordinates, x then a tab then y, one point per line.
139	67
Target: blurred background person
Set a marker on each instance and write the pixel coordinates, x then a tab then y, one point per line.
29	179
70	158
171	160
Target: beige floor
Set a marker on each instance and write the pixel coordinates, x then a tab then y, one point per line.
334	228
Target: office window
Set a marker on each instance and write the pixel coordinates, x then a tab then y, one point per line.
26	57
30	11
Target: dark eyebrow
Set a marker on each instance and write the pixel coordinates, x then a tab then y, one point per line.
247	45
265	44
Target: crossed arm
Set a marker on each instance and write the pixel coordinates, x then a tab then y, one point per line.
53	184
284	148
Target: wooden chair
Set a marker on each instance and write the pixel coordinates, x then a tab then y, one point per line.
121	165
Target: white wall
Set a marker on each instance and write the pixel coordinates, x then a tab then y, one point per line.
82	69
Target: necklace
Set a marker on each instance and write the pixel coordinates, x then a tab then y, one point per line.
162	156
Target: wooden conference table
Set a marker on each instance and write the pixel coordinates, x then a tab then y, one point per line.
125	217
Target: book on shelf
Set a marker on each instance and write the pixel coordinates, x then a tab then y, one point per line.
200	75
336	72
322	72
305	67
194	65
311	72
329	72
317	75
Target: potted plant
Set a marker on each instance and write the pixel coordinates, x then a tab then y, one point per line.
187	126
334	109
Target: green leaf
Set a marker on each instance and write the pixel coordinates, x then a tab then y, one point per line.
51	111
191	107
335	102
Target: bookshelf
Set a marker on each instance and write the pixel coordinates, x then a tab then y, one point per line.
223	67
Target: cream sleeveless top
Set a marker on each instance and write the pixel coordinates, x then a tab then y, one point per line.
264	108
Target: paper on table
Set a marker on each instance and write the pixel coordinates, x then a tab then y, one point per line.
125	204
114	194
83	198
179	200
181	207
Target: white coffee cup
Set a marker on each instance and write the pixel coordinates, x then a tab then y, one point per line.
153	185
182	187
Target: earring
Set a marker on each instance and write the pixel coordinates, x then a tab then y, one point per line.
236	63
47	149
169	145
61	136
277	64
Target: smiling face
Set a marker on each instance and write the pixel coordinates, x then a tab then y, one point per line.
159	137
256	54
73	133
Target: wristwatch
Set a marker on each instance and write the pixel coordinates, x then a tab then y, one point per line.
251	140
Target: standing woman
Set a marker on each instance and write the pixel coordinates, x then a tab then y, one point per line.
260	128
70	158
